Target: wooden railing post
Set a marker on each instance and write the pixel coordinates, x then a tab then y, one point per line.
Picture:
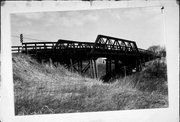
18	50
26	50
36	48
95	68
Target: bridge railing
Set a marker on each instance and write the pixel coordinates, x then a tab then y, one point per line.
66	44
33	46
115	47
16	49
62	45
71	45
143	51
38	46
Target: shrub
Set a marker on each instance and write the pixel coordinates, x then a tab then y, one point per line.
153	77
158	50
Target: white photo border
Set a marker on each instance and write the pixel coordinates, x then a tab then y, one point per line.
169	114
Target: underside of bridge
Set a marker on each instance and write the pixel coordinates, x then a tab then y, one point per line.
121	56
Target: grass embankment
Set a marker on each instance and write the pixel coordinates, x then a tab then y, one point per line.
44	89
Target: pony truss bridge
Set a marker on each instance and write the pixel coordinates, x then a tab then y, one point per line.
121	56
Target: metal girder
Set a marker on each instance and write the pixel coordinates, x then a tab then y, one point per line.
112	43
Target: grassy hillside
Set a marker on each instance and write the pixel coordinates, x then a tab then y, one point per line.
44	89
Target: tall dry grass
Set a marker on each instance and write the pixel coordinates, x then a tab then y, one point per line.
43	89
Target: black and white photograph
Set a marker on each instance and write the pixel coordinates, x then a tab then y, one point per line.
89	61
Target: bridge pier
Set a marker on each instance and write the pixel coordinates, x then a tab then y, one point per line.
71	64
108	66
138	65
125	70
79	63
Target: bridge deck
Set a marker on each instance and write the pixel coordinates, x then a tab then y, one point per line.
78	48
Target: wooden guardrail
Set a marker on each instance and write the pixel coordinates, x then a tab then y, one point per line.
143	51
16	49
62	44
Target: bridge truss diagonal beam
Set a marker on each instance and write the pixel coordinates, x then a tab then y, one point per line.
116	44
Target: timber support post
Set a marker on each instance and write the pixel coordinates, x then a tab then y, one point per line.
79	66
108	66
140	65
94	68
91	69
50	62
137	65
71	65
125	71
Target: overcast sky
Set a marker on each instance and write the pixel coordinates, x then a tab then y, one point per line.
143	25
